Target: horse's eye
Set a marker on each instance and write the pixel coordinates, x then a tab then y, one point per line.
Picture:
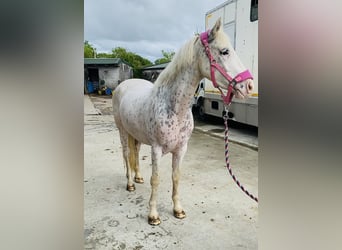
224	52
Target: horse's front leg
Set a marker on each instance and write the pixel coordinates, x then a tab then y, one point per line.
153	218
177	158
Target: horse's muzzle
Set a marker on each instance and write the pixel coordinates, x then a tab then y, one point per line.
243	89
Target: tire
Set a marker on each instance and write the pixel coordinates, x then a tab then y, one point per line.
201	114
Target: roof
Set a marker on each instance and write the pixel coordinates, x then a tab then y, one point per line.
104	61
159	66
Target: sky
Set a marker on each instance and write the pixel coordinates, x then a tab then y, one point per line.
145	27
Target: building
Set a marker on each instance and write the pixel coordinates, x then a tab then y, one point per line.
105	72
152	72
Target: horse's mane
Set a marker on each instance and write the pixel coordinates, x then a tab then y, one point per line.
182	60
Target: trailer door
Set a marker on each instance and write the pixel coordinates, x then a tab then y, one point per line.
228	16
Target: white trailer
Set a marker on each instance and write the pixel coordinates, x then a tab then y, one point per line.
240	22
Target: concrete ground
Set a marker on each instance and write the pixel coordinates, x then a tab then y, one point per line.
241	134
219	214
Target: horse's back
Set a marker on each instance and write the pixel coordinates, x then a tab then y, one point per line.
132	85
129	87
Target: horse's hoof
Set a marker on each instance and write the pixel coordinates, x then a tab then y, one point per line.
179	215
153	221
139	180
130	188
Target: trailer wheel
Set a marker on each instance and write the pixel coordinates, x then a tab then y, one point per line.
201	114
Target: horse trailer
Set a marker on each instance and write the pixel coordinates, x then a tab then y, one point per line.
240	22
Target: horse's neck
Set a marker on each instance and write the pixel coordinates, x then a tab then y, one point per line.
179	93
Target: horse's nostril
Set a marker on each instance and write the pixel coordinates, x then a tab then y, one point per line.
250	86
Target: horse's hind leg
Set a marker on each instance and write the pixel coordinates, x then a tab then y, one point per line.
125	153
153	217
177	158
137	178
134	148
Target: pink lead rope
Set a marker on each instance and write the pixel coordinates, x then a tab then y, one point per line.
226	153
226	99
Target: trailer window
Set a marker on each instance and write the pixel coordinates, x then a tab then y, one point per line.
214	105
254	10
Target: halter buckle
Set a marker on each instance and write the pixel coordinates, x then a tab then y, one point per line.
225	112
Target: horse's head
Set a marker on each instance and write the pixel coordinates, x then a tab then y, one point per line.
220	63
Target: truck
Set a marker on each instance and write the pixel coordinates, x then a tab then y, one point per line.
240	22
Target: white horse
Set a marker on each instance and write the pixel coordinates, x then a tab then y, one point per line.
160	115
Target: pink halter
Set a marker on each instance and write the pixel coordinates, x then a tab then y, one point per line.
214	65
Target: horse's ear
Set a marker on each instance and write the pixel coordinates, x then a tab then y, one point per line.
215	29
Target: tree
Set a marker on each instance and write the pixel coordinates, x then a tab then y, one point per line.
167	57
136	61
104	55
89	50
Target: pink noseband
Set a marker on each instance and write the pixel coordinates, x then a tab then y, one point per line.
214	65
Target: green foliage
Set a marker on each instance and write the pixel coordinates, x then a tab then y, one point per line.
104	55
89	50
167	57
136	61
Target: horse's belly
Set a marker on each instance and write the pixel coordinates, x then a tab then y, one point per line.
137	132
133	109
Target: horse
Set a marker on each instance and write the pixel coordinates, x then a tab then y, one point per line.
160	114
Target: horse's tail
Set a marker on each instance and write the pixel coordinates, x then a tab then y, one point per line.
132	153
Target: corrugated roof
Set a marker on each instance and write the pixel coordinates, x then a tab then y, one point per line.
159	66
110	61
